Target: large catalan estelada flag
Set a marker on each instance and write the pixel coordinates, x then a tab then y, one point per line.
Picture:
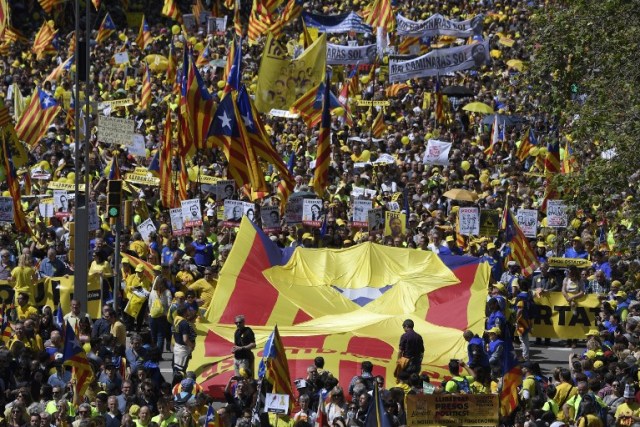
362	310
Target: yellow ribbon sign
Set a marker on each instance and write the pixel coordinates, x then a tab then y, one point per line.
556	318
559	262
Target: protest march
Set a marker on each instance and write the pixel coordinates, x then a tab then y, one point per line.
313	213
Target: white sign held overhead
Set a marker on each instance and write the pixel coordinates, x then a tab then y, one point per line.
557	214
145	228
528	221
437	153
469	221
6	209
115	130
94	220
191	213
177	225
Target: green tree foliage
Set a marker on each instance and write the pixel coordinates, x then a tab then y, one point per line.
585	68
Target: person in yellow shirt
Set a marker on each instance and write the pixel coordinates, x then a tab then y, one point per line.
24	310
205	288
564	391
139	246
23	277
627	413
360	155
140	280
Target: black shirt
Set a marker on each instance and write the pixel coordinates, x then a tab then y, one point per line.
243	337
411	344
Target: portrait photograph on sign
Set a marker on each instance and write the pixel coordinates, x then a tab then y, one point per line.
270	217
177	224
191	213
361	210
312	212
395	224
293	211
375	220
145	228
233	211
61	201
225	189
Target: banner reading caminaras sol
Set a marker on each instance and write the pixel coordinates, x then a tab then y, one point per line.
438	25
439	61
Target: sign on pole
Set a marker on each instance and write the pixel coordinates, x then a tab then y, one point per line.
469	221
528	221
557	214
191	213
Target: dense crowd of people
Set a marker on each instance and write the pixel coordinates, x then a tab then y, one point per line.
599	384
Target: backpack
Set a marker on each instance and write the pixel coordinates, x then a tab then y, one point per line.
530	309
463	386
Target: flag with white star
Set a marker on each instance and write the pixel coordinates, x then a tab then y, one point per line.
35	120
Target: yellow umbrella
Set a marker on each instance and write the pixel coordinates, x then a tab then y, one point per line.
461	195
515	64
478	107
157	62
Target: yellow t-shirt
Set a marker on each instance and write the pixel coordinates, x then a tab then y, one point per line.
104	268
26	312
627	410
139	247
205	290
23	279
365	156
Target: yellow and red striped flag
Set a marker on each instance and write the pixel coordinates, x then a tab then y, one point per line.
55	75
107	27
521	251
96	4
12	35
379	14
196	103
74	355
42	43
225	134
291	11
237	23
167	187
260	20
552	159
204	58
378	127
274	366
230	58
48	5
323	157
35	120
4	17
170	10
145	96
19	218
183	180
197	10
144	35
528	142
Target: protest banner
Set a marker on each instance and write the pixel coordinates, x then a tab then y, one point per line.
115	130
437	153
121	58
557	214
177	224
67	186
528	221
136	146
469	221
361	210
293	211
312	212
370	103
489	222
343	23
438	25
459	410
6	209
395	224
554	317
142	179
561	262
54	291
270	217
375	221
339	54
191	213
145	228
189	22
216	25
438	62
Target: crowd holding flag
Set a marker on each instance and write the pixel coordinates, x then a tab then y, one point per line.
520	250
74	355
170	10
43	42
145	96
274	366
35	120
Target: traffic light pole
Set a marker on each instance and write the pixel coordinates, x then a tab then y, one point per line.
117	277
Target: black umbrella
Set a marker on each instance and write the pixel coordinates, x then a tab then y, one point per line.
458	91
503	120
